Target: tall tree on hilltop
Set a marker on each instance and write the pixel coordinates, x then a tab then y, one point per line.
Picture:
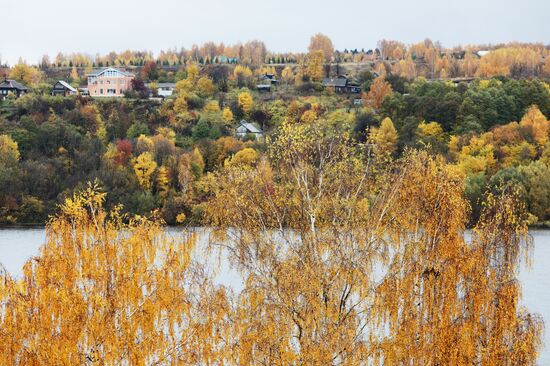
321	42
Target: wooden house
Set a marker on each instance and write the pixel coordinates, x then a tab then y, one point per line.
63	88
8	86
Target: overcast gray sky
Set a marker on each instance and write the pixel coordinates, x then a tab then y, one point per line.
31	28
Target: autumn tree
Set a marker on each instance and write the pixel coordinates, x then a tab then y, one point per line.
9	152
537	125
74	75
107	293
205	86
379	89
546	67
245	101
315	65
123	152
227	115
244	157
349	267
287	75
384	138
321	42
242	75
444	291
144	167
26	74
163	181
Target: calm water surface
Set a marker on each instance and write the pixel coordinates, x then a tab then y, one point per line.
17	245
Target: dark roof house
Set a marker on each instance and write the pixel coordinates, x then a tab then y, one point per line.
341	84
63	88
269	78
11	86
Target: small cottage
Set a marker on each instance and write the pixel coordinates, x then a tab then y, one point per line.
8	86
63	88
268	78
247	129
341	84
165	90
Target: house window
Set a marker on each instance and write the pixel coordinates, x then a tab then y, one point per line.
121	92
100	91
111	91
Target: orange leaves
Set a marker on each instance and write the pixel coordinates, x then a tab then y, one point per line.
101	290
321	42
378	91
502	61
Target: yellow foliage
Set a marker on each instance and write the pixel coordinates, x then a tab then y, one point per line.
430	129
180	218
9	153
184	86
245	157
180	104
538	125
205	86
307	230
287	74
163	181
26	74
227	115
546	67
315	65
245	101
321	42
308	116
212	106
105	292
501	60
384	138
192	73
242	71
144	144
144	167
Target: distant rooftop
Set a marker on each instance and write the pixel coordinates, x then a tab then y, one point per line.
340	81
67	85
251	128
98	72
8	83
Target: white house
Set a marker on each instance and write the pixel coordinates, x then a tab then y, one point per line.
165	90
246	129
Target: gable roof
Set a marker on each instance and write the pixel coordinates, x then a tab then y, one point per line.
12	84
66	85
251	128
166	85
339	81
101	71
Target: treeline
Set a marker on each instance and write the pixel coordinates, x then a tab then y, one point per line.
427	58
158	154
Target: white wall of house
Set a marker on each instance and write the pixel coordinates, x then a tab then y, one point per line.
165	92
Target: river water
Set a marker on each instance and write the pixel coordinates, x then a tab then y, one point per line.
19	244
